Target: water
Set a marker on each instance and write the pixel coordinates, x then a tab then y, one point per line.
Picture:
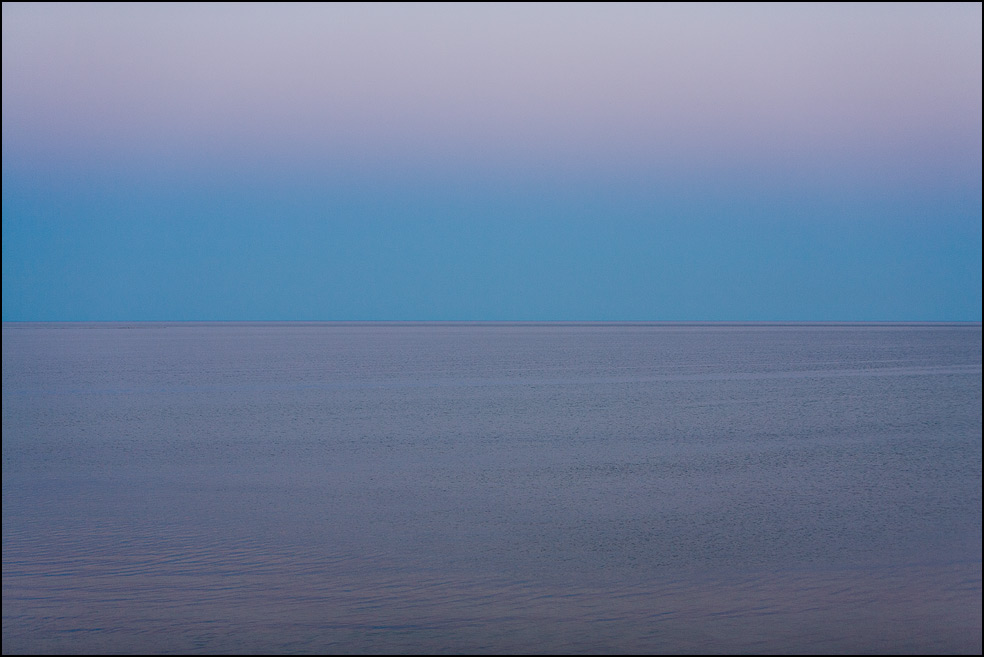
523	488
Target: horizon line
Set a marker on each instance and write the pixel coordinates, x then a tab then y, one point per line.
500	321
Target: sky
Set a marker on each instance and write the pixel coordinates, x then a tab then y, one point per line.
502	162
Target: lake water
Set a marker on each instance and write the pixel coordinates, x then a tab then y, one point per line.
517	488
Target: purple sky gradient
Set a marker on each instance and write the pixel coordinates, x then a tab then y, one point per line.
529	85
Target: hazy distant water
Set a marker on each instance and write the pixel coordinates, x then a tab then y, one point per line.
491	488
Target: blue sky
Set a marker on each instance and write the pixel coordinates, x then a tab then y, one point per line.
492	162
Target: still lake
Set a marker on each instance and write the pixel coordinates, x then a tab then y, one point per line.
494	488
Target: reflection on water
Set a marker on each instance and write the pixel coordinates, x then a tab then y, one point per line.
521	489
99	591
186	594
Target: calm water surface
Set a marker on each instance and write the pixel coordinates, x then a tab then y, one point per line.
447	488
